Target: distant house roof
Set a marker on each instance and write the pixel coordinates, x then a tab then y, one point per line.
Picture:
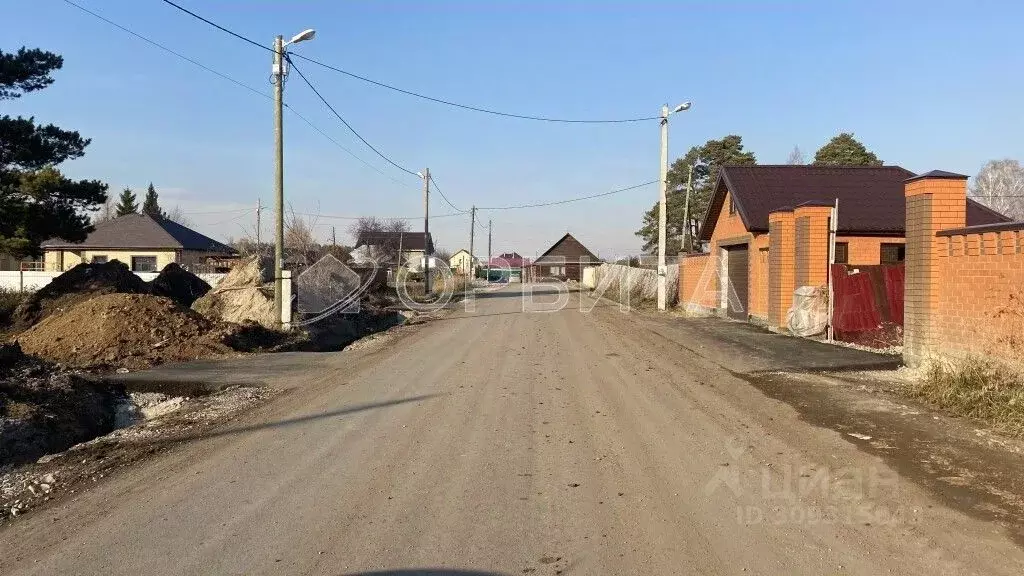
567	250
407	240
509	259
871	198
137	231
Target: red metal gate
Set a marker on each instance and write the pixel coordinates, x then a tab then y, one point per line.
868	307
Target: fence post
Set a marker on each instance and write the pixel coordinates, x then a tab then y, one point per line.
781	265
936	201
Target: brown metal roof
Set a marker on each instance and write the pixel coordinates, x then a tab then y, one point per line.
567	250
407	240
871	198
138	231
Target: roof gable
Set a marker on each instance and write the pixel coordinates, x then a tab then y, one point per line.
568	249
135	231
871	198
407	240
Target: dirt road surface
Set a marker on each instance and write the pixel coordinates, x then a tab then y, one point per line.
502	442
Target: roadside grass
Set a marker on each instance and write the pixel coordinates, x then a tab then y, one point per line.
9	300
976	388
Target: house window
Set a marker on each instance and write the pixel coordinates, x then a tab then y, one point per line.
842	253
99	259
732	206
143	263
556	270
892	254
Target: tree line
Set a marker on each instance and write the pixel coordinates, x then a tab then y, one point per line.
999	184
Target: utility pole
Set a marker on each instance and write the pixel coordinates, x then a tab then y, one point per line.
334	238
489	224
472	230
278	73
426	232
663	201
662	208
259	210
686	210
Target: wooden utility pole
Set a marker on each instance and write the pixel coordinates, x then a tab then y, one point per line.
472	230
426	232
334	238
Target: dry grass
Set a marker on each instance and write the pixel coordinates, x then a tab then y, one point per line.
976	388
9	300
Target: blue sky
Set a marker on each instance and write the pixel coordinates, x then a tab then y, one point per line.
924	84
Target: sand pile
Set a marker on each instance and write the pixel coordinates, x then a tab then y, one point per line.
243	295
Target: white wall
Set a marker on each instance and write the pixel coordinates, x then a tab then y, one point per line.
32	281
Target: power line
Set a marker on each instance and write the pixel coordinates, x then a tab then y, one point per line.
568	200
169	50
417	94
218	26
334	217
233	81
449	202
347	125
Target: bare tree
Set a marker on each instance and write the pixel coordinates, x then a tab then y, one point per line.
1000	186
299	238
177	215
796	156
107	212
385	235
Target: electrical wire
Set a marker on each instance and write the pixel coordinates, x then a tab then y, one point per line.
236	82
380	84
568	200
347	125
449	202
335	217
169	50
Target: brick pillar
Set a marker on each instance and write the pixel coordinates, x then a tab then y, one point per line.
811	244
935	201
781	265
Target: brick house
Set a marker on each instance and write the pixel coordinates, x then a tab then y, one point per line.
767	232
564	260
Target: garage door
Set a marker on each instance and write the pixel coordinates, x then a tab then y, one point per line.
738	275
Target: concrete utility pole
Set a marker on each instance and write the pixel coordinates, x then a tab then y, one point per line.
489	223
472	230
278	73
662	202
426	232
686	210
259	210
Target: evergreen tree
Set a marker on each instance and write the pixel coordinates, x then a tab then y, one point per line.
706	160
151	204
37	201
845	150
126	204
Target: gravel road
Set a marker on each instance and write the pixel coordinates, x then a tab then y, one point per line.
503	442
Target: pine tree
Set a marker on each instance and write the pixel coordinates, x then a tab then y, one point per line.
126	204
37	202
151	204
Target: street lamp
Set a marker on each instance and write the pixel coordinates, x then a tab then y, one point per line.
279	72
662	208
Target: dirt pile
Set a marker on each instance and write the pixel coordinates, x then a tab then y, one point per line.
131	331
241	296
78	284
45	409
178	284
